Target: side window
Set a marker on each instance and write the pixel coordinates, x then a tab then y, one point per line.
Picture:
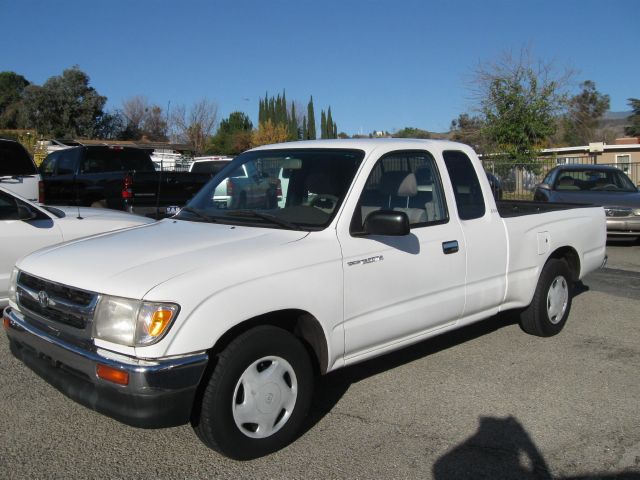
49	164
403	181
466	187
67	161
8	207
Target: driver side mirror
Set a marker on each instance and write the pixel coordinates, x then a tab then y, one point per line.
387	222
543	186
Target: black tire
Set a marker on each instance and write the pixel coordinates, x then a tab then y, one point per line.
224	394
549	310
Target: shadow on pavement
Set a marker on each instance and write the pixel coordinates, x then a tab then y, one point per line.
331	387
502	449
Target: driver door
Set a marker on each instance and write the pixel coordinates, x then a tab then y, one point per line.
399	288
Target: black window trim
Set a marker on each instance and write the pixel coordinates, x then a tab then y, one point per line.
484	199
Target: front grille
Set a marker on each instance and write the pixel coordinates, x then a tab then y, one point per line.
618	212
55	303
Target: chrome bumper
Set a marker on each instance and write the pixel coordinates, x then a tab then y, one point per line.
159	393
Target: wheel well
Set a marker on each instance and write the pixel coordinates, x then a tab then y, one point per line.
298	322
572	258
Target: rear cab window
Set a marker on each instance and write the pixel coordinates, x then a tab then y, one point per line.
116	159
466	186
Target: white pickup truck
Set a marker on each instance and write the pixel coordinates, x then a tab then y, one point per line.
223	316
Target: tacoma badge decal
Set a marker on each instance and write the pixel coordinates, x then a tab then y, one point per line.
364	261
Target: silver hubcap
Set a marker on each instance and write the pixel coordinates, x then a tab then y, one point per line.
557	299
264	397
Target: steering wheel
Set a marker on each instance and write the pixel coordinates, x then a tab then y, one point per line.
325	202
608	186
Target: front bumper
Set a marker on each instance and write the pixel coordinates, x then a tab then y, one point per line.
160	392
629	226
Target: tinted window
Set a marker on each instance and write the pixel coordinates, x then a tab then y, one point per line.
14	160
67	163
403	181
106	159
212	167
8	207
49	164
466	187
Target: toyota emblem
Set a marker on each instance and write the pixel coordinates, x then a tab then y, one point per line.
43	299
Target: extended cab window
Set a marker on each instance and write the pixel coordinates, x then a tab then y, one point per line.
407	182
466	187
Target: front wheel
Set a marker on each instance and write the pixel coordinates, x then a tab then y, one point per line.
549	309
258	394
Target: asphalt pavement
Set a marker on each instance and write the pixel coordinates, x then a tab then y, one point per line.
487	401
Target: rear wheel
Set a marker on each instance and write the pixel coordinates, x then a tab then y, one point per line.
258	394
549	309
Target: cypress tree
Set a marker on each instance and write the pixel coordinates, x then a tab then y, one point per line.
311	121
329	124
323	124
305	132
293	124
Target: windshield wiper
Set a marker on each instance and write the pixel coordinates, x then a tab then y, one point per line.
264	216
199	214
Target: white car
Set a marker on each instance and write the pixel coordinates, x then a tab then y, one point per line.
25	227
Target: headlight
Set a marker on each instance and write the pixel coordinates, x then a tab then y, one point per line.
132	322
636	211
12	285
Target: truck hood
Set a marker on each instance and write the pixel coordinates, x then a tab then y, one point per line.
131	262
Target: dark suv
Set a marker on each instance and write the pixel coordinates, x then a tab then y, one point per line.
117	177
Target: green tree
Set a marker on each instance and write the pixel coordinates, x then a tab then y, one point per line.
583	115
519	100
311	121
411	132
64	106
634	118
231	137
323	125
332	128
468	129
12	87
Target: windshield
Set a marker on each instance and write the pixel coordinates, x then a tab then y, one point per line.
594	180
292	189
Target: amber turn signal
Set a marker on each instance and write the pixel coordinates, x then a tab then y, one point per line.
111	374
159	321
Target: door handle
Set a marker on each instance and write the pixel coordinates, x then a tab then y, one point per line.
450	247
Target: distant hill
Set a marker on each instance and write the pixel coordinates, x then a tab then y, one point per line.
617	115
612	125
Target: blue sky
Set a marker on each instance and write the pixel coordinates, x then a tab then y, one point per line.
380	65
